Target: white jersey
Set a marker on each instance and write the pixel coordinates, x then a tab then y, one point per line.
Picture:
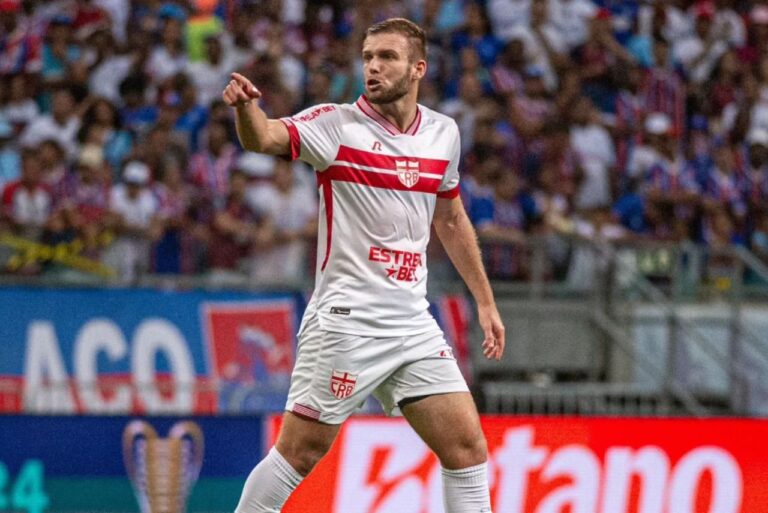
378	190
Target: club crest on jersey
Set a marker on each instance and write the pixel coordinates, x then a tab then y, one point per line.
342	384
408	172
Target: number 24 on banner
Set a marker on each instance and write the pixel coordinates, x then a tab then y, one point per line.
27	493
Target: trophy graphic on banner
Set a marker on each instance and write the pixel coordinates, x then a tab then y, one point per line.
163	470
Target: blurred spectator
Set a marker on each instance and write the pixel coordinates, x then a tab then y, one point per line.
55	166
292	210
587	265
136	114
663	89
61	124
507	15
169	56
657	130
20	50
21	108
209	168
173	251
111	65
211	75
572	18
501	221
82	201
594	147
101	125
135	224
463	109
27	202
701	50
236	231
544	46
60	52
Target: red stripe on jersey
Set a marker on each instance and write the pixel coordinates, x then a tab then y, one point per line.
323	179
367	158
450	194
295	138
380	180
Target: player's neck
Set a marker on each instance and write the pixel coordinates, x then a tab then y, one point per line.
400	113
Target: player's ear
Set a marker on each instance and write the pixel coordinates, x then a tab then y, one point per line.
419	69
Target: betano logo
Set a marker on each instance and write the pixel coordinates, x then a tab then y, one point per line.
385	469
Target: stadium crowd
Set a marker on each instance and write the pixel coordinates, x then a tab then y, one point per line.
612	119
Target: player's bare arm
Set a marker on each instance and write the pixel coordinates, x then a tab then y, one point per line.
460	242
255	131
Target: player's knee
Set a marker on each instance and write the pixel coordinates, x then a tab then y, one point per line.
469	451
304	456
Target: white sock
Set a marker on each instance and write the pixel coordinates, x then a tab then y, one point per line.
466	490
268	485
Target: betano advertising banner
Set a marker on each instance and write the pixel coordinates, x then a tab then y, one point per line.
551	465
145	351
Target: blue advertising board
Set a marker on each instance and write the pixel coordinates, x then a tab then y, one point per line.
145	351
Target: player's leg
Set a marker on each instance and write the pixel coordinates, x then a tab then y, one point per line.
334	374
462	449
461	446
432	394
300	445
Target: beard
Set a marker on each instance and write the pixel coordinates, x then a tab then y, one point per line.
394	93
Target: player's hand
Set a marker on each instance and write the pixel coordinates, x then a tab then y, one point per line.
493	329
239	91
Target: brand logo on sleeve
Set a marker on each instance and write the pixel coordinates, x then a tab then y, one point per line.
408	172
338	310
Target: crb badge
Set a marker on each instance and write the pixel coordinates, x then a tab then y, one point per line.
342	384
408	172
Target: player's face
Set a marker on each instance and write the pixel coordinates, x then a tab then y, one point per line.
387	69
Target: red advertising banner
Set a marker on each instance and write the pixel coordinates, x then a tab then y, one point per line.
551	465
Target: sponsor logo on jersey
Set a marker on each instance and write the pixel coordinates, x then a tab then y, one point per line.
315	113
337	310
342	384
402	264
407	172
376	146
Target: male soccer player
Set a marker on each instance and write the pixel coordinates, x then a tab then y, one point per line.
387	169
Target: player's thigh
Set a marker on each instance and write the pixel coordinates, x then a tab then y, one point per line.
450	425
303	442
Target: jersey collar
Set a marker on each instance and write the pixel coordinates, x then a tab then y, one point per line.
364	105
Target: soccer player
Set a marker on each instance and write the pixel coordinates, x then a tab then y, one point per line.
387	169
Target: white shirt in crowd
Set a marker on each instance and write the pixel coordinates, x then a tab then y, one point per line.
572	17
594	147
129	254
507	15
45	127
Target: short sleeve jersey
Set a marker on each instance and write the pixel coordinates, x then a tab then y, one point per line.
378	189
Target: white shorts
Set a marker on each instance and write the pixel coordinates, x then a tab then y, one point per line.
336	372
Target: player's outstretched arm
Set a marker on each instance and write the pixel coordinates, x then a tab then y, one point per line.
460	241
255	131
